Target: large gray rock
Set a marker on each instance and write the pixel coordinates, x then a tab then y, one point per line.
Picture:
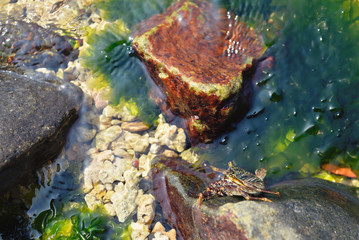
307	208
35	115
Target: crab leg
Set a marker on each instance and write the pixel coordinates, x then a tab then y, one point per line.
259	198
248	197
266	191
262	190
208	194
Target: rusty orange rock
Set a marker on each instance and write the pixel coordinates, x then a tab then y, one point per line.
338	170
197	55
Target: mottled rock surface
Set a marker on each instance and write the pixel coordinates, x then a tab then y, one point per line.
28	44
197	55
35	115
307	209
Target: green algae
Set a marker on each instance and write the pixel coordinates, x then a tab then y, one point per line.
131	11
109	56
76	221
305	109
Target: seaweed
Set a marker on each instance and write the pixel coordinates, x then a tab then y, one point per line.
77	221
131	11
111	60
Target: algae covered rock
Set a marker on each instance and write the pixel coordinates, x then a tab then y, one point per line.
197	55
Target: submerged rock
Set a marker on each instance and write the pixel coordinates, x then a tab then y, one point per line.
197	55
307	208
35	115
119	160
159	233
28	44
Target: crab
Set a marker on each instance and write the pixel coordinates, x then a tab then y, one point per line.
238	182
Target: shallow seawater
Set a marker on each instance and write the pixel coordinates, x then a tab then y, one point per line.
304	110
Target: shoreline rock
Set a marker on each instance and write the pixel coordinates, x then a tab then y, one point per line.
36	114
307	209
197	55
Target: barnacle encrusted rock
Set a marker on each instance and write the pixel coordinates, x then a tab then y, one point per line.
196	54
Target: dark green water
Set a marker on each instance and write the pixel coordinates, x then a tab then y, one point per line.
305	110
308	106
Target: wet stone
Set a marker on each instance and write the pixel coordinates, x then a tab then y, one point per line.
105	137
146	209
170	135
110	209
159	232
91	201
120	152
307	208
124	203
134	126
120	161
139	143
35	116
139	231
196	54
108	173
102	156
85	134
28	44
109	112
122	165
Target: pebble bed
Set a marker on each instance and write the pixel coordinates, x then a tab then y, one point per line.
120	158
121	152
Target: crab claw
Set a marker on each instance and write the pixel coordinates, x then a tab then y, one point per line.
261	173
200	199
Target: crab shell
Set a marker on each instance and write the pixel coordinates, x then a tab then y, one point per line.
236	182
244	181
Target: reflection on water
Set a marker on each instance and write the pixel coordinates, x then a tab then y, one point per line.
305	108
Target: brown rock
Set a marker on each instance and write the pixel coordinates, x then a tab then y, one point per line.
307	208
176	202
197	55
169	153
134	126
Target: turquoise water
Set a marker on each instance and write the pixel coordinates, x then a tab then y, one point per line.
304	113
